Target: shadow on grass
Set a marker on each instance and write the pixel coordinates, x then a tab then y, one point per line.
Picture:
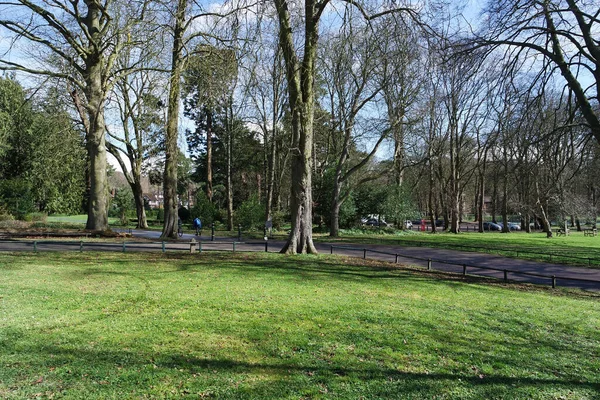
301	268
128	370
22	354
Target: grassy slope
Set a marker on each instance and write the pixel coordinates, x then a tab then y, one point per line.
264	326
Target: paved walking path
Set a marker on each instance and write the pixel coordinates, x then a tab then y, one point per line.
442	259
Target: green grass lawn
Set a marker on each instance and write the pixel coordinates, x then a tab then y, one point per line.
575	249
77	219
118	326
73	220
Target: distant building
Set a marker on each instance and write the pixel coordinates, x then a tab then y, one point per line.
154	200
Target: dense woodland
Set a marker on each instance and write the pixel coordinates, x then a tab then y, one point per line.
315	114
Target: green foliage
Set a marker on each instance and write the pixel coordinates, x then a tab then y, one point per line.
122	204
398	206
37	217
250	214
323	198
370	198
42	151
16	197
160	215
59	161
203	209
151	214
279	219
5	215
246	160
15	118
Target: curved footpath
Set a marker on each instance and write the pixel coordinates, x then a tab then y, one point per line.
442	259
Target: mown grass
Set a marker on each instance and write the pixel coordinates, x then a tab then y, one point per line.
77	219
575	249
118	326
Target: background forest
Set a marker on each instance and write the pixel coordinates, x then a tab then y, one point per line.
322	115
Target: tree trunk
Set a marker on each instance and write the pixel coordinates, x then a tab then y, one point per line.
138	196
505	228
271	164
481	199
444	210
494	199
545	223
229	147
454	180
334	228
209	127
398	130
300	238
544	216
171	150
300	78
595	207
96	147
431	196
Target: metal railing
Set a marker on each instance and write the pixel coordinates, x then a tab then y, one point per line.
465	267
164	246
263	246
505	251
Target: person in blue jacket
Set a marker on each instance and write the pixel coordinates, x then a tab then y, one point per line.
198	226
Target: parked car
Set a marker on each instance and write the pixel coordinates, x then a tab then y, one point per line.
490	226
375	222
512	226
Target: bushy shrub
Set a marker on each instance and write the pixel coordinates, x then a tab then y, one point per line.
323	199
36	217
14	224
399	206
160	215
122	204
151	214
220	215
279	219
203	209
5	215
250	214
16	197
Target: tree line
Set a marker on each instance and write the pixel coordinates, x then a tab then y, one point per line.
326	112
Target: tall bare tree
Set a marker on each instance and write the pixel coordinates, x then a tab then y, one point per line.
185	15
300	73
552	35
266	89
350	62
79	44
139	107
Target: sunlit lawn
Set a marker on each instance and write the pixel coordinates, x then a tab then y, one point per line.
574	249
74	219
91	325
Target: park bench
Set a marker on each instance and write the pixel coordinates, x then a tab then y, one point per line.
590	232
562	232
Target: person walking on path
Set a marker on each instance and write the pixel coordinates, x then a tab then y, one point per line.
198	226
